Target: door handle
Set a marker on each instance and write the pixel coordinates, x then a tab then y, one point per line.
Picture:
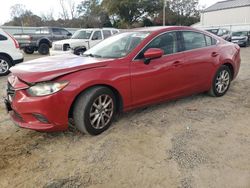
214	54
177	63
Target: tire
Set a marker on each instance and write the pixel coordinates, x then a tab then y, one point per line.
221	82
28	50
5	64
89	116
43	49
79	51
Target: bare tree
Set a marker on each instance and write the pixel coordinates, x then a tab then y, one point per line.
72	8
64	13
48	16
17	10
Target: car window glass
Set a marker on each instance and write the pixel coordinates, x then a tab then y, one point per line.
106	33
209	40
82	34
193	40
56	31
114	31
3	37
64	32
167	42
97	35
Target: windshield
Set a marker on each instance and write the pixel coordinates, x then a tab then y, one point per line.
239	33
82	34
117	46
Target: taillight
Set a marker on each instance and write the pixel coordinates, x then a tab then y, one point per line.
14	40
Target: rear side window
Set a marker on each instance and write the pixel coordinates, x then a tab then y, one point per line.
114	31
2	37
193	40
209	40
106	33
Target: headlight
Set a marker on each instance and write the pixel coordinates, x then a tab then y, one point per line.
46	88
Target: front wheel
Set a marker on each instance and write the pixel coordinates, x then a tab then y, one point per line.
221	82
94	110
43	49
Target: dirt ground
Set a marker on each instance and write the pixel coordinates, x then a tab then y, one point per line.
197	141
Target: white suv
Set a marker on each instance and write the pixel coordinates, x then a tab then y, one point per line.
81	41
9	52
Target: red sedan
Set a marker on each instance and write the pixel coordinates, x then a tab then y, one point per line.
126	71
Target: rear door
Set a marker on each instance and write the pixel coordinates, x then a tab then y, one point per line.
201	54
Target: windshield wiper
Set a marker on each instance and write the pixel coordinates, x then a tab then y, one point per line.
92	55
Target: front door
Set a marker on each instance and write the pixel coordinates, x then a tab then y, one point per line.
161	78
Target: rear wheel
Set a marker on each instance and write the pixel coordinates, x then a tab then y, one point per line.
5	64
28	50
43	49
94	110
221	82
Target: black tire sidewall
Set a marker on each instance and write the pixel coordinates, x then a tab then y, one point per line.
28	50
86	111
222	68
9	63
43	49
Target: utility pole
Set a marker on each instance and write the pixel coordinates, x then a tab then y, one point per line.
164	12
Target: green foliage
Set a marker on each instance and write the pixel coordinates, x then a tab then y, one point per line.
114	13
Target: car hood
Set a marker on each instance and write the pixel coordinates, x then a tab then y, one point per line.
48	68
68	41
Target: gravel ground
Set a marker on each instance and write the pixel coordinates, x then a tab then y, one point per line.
198	141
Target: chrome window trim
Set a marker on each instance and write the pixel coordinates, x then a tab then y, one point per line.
217	42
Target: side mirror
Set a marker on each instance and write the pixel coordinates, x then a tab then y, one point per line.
152	53
69	34
95	38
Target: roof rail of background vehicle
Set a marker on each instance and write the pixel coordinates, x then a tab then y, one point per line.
162	28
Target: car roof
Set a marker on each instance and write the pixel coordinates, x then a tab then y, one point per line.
97	29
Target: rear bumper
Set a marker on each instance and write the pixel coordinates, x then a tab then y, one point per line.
17	61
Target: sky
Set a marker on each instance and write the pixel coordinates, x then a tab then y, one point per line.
40	7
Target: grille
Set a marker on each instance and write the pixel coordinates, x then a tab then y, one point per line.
66	47
58	47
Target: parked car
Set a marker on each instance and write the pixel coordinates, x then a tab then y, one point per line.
221	32
41	40
10	54
242	38
81	41
126	71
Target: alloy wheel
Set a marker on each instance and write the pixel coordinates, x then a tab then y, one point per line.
101	111
222	81
4	66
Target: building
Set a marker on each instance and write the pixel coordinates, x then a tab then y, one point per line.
230	13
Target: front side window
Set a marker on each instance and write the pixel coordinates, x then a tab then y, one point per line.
56	31
167	42
193	40
97	35
82	34
117	46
